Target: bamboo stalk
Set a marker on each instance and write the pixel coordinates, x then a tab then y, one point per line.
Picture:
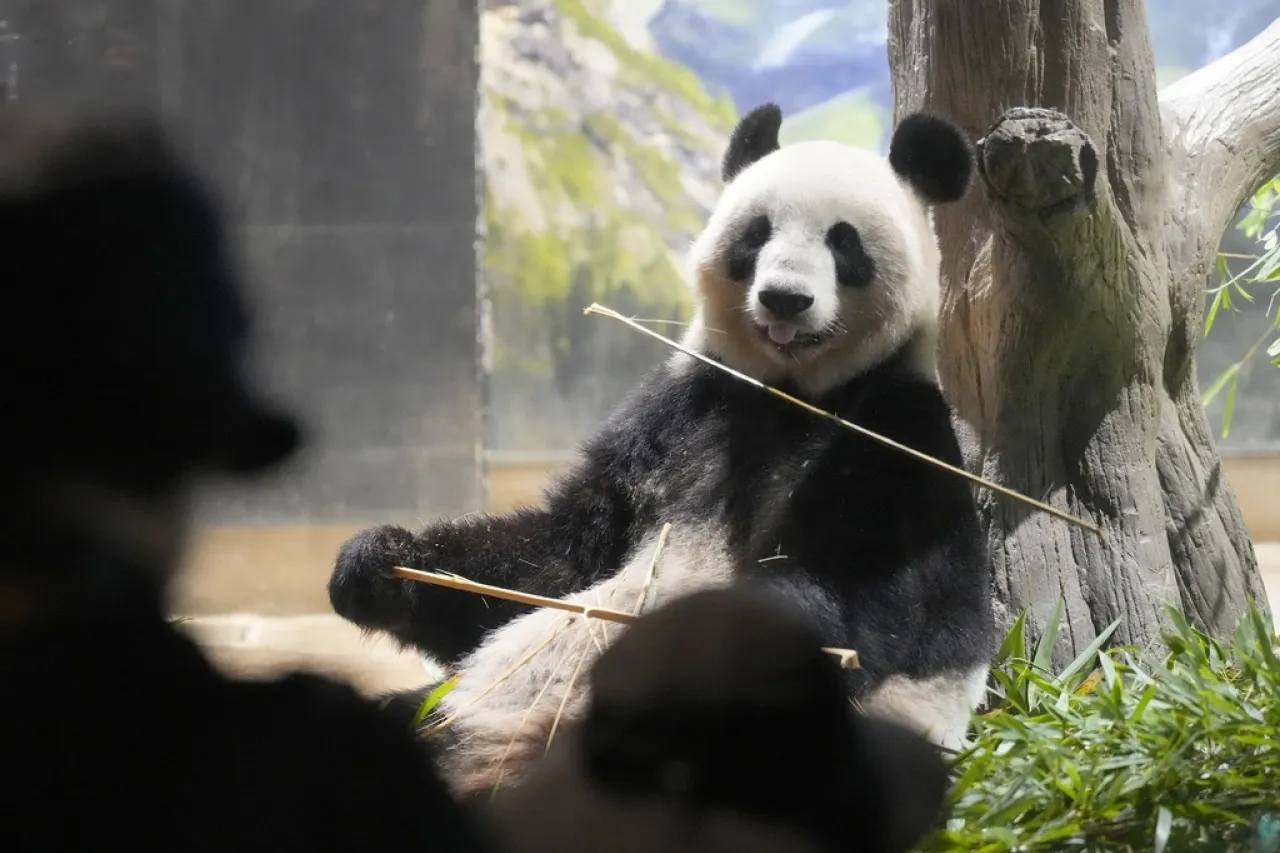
647	592
848	658
602	311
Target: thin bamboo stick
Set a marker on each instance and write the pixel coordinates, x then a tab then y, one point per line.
602	311
848	658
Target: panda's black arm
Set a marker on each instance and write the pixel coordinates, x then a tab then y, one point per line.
890	554
583	532
936	614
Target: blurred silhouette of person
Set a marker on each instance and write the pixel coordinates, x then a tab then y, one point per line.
717	724
123	388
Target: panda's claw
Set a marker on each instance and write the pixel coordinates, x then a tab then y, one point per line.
362	589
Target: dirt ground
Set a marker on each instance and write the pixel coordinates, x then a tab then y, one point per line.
260	645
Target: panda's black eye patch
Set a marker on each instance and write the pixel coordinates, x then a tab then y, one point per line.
854	267
757	232
745	248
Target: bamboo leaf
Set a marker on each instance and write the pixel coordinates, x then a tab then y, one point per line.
1164	825
433	699
1220	383
1218	298
1044	649
1229	405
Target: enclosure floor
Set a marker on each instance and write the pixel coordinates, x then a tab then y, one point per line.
260	646
256	646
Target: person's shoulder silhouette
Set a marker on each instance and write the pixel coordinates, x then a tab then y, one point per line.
121	373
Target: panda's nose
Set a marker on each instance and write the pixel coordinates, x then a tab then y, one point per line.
785	304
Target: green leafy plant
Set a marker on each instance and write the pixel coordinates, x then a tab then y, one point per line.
1125	749
1263	272
428	705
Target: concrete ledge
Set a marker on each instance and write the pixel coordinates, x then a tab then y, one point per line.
516	481
281	571
1256	480
1269	562
252	646
274	571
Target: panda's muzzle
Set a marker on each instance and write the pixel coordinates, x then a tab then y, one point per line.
787	336
783	307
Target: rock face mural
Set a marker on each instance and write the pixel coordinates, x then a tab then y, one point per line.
601	124
600	161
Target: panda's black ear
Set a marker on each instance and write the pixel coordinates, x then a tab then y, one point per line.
755	136
934	156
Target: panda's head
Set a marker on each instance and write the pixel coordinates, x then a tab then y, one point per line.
820	259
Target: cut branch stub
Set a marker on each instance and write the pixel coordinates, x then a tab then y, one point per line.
1038	161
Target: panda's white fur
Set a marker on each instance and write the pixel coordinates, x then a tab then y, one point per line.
808	185
507	726
885	554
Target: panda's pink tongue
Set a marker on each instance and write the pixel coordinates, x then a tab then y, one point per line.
782	333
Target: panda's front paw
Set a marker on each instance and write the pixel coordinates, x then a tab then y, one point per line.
362	589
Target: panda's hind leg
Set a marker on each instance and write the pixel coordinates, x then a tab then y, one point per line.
940	707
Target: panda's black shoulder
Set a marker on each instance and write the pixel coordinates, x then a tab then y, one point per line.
913	404
897	402
671	404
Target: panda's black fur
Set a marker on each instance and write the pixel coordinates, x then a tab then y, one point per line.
883	551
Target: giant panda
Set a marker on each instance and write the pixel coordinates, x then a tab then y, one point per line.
817	272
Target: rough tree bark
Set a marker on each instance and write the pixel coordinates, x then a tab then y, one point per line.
1073	281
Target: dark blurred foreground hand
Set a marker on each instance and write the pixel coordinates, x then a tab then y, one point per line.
718	725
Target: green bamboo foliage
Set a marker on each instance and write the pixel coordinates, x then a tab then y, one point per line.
1125	749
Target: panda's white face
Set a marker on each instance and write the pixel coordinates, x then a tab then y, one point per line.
819	261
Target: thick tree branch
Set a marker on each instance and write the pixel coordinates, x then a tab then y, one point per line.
1073	286
1222	130
1222	124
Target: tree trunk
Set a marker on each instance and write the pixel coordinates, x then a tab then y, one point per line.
1073	297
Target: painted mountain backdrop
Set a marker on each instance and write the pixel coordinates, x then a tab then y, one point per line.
825	61
602	123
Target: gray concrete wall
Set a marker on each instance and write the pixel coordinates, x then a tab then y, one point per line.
342	137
